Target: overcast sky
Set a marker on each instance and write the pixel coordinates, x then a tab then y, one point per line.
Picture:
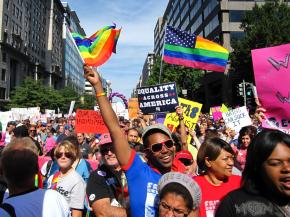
137	19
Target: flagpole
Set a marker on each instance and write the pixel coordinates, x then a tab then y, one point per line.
161	63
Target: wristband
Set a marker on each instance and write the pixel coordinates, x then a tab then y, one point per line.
100	94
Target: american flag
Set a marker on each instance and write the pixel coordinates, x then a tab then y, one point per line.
179	38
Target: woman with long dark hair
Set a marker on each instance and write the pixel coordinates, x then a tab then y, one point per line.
265	189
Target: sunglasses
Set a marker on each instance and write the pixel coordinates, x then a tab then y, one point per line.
105	151
157	147
66	154
186	162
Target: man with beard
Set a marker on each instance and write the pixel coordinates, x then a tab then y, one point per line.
106	188
159	149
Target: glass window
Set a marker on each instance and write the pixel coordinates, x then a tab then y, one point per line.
235	36
211	26
2	93
196	24
236	16
4	57
210	7
195	8
3	75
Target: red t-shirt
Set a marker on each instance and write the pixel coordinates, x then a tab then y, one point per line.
211	195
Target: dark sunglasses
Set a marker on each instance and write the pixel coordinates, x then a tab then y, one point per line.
186	162
105	151
158	146
66	154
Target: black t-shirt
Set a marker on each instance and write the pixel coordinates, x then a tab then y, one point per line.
103	183
239	203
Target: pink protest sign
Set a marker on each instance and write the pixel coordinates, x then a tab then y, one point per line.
216	113
272	76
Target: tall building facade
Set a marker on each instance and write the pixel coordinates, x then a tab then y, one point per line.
216	20
73	62
30	43
147	69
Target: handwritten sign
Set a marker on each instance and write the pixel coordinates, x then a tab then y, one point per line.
272	76
237	118
133	107
89	121
158	98
5	117
191	111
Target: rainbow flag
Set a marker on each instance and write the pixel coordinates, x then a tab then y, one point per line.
97	49
182	48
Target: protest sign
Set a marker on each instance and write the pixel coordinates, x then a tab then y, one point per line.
237	118
216	112
191	111
272	76
5	117
89	121
160	118
133	107
71	108
158	98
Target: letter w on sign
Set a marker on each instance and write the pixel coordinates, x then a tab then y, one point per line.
278	64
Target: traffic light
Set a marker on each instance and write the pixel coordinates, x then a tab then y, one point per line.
241	89
250	98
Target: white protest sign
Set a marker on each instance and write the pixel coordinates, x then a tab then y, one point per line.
237	118
49	113
5	117
71	108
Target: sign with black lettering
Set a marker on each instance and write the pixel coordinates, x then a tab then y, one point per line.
237	118
157	98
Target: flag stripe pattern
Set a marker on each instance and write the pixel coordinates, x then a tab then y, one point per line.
97	49
181	48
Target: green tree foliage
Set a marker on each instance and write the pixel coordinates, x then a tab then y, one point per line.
185	78
264	26
33	93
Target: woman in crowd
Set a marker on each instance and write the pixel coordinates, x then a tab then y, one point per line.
215	159
67	181
179	195
265	190
246	135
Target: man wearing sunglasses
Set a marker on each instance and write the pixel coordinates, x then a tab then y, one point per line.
142	178
106	188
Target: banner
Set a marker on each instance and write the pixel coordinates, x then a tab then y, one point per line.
25	113
272	76
191	111
5	117
89	121
133	107
237	118
158	98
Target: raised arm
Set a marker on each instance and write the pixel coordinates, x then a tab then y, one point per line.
121	146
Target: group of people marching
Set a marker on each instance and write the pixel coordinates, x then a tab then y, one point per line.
145	169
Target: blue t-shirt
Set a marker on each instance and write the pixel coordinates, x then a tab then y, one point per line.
142	184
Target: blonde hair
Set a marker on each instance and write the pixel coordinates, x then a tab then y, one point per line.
69	147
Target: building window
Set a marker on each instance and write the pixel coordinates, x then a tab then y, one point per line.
4	57
235	36
3	75
196	24
210	7
2	93
195	8
236	16
211	25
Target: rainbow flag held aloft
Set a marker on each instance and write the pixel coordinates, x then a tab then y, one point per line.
97	49
182	48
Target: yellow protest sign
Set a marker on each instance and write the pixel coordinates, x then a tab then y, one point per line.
191	111
224	108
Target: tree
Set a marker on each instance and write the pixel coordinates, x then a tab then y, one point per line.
33	93
68	94
264	26
185	78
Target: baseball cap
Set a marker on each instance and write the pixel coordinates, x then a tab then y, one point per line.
184	154
184	180
158	127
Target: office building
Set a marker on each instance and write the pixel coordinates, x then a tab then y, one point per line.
73	62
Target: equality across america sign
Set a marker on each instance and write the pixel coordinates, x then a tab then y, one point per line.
157	98
272	76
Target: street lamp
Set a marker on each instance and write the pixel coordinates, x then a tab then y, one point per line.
108	82
36	71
